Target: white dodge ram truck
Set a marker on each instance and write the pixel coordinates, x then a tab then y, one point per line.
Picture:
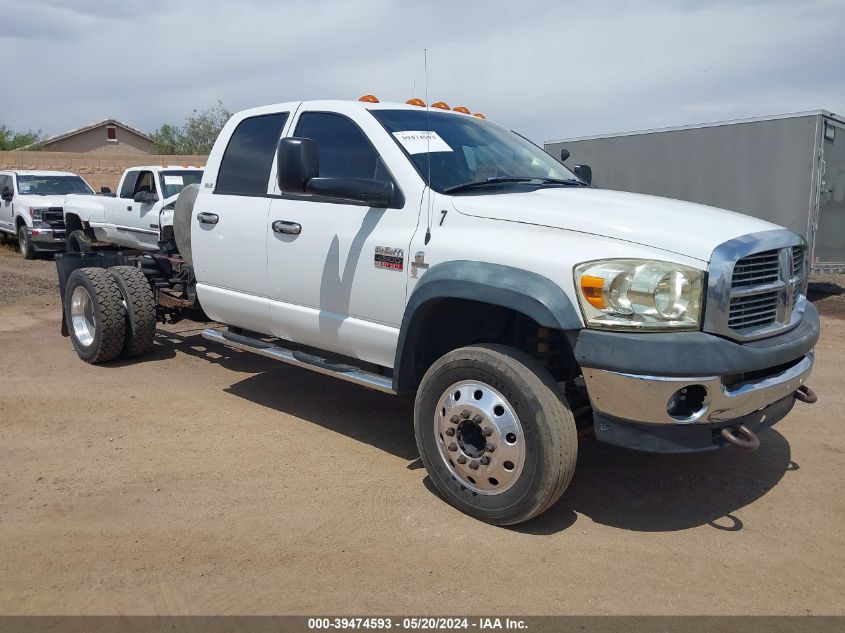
31	208
432	252
136	217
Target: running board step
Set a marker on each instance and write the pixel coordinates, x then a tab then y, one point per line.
349	373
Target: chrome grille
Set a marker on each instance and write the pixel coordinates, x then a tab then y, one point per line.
755	285
753	310
757	269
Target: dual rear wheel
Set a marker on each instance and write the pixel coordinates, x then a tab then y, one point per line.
110	312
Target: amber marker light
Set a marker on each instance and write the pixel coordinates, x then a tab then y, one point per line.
462	110
369	99
591	288
416	102
479	115
441	105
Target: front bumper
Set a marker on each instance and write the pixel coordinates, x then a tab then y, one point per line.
47	240
727	384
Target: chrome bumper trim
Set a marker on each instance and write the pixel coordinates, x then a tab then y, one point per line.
644	399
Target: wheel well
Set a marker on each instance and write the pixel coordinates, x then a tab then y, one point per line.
442	325
19	222
72	223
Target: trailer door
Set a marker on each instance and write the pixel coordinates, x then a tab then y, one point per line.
830	237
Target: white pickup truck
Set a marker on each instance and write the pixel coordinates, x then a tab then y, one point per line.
31	208
137	217
432	252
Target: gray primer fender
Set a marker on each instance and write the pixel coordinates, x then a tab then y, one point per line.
529	293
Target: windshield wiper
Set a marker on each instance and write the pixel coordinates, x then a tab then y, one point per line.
500	179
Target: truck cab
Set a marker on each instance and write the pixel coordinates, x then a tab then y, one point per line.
138	216
31	208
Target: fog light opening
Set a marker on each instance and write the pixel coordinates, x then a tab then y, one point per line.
687	403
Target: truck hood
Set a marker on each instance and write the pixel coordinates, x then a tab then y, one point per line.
685	228
40	201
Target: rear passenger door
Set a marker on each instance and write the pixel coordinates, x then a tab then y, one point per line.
229	226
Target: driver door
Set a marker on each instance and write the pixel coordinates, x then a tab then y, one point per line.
6	205
136	223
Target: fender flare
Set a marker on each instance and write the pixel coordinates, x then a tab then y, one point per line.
529	293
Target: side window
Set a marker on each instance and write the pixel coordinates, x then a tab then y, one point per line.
146	182
245	167
127	190
345	152
6	183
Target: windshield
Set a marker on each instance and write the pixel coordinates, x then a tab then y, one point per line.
29	185
464	149
174	180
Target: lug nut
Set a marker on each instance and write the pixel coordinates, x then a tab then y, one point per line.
474	464
465	414
477	419
485	460
453	447
490	448
450	431
487	431
454	419
462	460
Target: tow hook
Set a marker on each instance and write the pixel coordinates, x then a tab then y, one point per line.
805	394
749	440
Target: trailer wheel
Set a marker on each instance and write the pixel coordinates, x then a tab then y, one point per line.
95	314
78	242
496	437
140	310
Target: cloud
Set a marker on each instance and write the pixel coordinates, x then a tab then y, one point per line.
546	69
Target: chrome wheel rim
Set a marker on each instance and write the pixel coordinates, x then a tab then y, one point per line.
82	316
479	437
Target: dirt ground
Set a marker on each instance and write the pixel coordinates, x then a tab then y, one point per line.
207	481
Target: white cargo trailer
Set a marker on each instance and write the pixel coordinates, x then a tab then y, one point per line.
788	169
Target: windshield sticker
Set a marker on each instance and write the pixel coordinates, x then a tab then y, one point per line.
23	188
172	180
420	142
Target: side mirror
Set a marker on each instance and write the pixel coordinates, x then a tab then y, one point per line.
564	154
146	196
584	172
105	190
298	162
375	193
8	195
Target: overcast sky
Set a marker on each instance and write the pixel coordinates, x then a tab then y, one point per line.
548	69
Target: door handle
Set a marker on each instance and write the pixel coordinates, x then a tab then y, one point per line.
288	228
207	218
128	208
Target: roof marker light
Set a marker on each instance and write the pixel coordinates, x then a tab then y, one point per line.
369	99
441	105
462	110
416	102
479	115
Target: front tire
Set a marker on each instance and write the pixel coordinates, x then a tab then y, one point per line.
95	314
25	243
78	242
494	433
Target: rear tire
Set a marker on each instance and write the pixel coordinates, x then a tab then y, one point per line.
484	396
140	310
78	242
95	314
25	243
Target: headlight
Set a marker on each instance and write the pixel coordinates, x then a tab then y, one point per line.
35	214
639	294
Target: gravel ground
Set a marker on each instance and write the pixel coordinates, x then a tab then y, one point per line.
201	480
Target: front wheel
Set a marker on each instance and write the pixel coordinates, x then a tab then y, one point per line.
25	243
78	242
497	438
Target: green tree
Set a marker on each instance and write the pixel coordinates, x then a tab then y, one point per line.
10	139
196	135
